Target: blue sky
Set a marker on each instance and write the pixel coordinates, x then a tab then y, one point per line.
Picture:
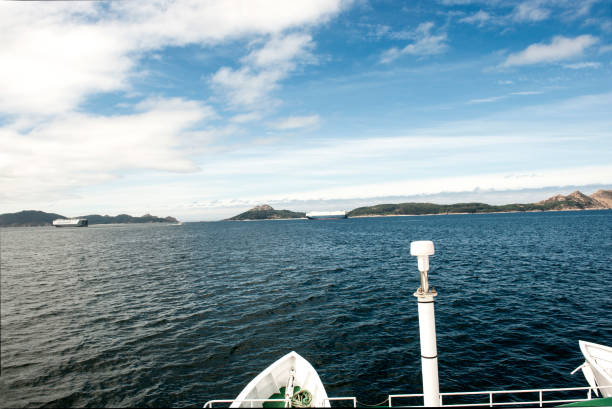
202	110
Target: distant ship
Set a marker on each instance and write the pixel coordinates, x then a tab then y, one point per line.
326	215
70	222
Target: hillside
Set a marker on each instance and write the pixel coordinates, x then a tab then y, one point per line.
574	201
601	199
266	212
604	197
37	218
28	218
126	218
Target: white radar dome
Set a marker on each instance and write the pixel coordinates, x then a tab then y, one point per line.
422	248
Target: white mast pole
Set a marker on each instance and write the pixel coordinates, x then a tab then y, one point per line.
427	325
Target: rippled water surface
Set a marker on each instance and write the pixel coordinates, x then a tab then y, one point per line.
161	315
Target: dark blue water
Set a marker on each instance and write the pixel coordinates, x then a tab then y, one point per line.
152	315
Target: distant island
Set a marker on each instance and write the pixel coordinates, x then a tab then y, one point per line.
577	200
37	218
266	212
602	199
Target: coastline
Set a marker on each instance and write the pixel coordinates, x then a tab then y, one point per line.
259	220
451	213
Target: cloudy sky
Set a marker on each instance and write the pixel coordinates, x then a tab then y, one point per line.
202	109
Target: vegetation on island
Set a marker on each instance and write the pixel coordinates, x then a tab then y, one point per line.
126	218
38	218
602	199
574	201
266	212
28	218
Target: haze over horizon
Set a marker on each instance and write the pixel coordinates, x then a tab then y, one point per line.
201	110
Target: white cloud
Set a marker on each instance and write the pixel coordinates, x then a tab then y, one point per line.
497	152
248	117
530	11
560	48
580	65
425	43
243	87
455	2
76	150
57	54
484	100
499	97
54	54
532	179
282	50
263	69
478	18
526	93
295	122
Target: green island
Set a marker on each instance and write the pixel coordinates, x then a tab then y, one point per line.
602	199
28	218
266	212
577	200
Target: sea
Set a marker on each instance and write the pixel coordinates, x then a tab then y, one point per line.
159	315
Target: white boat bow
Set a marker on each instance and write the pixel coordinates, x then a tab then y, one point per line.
293	374
597	369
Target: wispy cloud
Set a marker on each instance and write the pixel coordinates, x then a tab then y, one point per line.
499	97
296	122
530	11
560	48
79	149
425	43
248	117
485	100
479	18
55	54
455	2
581	65
526	93
605	48
263	69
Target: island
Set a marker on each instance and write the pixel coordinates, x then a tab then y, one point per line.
28	218
266	212
602	199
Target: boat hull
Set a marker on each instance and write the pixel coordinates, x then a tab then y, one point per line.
271	379
326	215
70	223
598	366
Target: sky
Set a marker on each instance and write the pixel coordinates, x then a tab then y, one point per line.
204	109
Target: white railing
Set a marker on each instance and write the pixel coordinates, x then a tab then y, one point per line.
491	394
343	398
210	403
491	402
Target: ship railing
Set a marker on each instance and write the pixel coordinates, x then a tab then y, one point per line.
445	397
493	402
210	403
343	398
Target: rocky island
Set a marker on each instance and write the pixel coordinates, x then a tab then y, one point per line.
266	212
27	218
602	199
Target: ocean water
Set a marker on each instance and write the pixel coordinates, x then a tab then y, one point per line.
161	315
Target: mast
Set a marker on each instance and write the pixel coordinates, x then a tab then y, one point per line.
427	324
